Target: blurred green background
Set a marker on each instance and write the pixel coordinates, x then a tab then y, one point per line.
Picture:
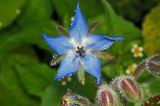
26	79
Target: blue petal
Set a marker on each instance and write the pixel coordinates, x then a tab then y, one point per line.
79	27
100	42
69	65
91	64
60	44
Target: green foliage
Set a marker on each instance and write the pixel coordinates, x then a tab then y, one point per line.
23	78
35	11
67	7
34	77
9	11
113	24
55	91
128	8
12	92
27	80
151	32
116	24
51	95
32	35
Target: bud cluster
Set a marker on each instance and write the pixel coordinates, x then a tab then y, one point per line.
128	87
121	89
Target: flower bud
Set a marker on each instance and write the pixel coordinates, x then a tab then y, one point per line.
71	99
153	65
130	89
67	100
152	101
107	96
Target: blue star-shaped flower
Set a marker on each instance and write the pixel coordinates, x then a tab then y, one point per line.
79	48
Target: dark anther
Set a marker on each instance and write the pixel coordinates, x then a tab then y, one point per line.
80	51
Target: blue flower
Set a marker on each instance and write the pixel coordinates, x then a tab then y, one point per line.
79	48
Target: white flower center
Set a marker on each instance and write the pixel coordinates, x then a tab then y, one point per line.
79	48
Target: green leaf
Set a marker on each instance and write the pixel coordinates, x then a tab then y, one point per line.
88	90
112	24
35	77
12	93
35	11
151	87
17	87
151	32
128	8
117	25
9	11
52	96
31	35
55	91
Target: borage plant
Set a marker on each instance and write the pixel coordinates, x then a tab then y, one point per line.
79	50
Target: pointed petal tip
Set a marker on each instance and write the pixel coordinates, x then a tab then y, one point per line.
99	81
77	11
44	36
77	7
56	77
118	38
121	38
62	76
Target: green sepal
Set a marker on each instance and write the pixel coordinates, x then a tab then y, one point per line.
81	74
62	31
104	55
56	60
92	27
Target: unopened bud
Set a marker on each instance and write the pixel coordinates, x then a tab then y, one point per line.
107	96
130	88
153	65
71	99
152	101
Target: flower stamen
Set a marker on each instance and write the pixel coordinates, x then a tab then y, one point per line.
80	51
